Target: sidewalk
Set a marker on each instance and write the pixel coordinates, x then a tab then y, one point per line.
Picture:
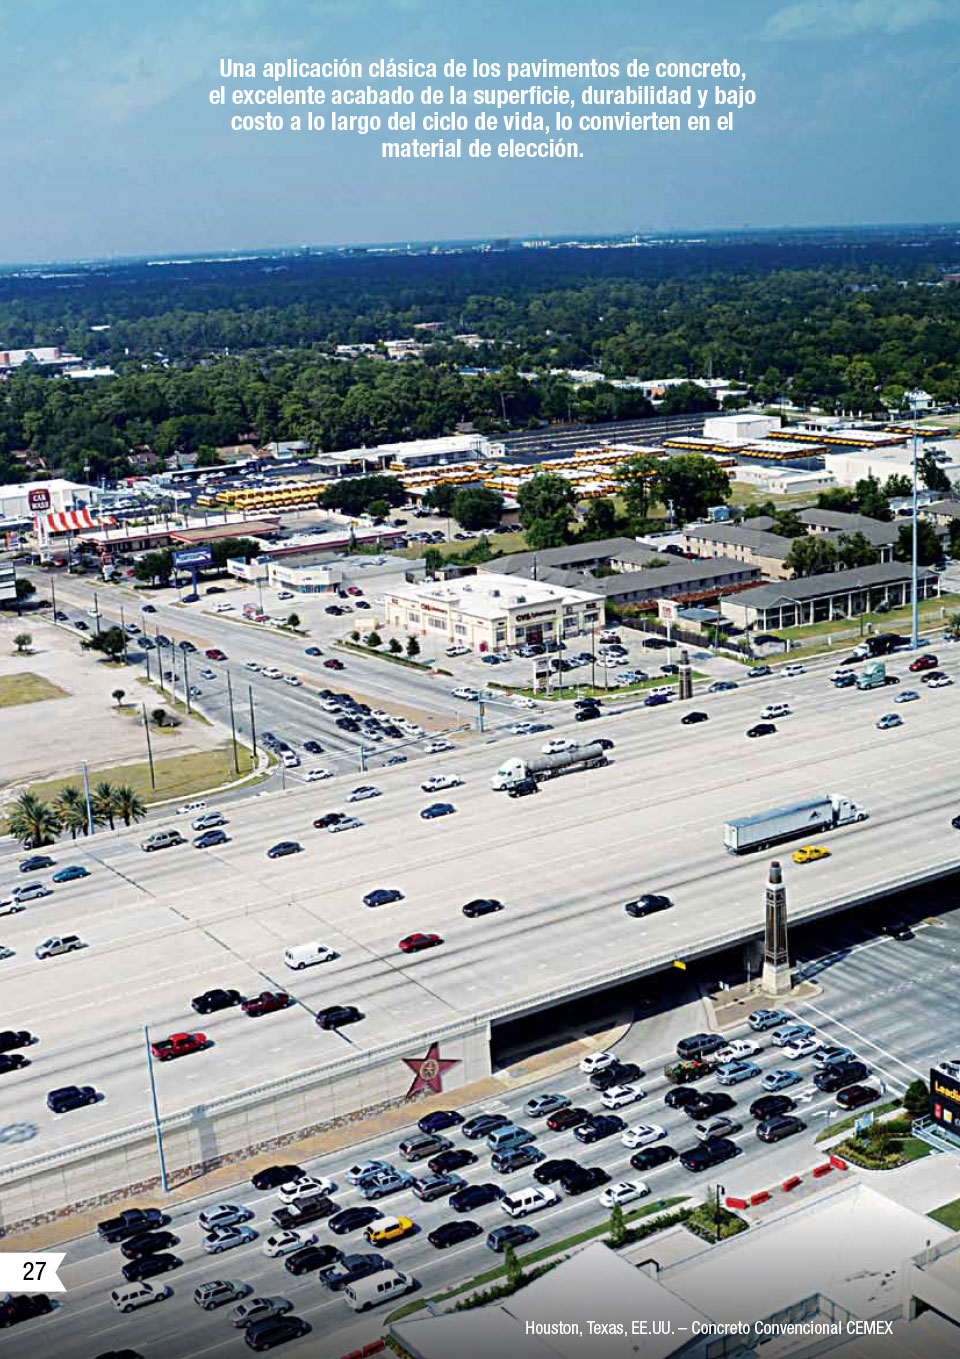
922	1185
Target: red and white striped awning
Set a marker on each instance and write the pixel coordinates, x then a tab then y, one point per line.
72	521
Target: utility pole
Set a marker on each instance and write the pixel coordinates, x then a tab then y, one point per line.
720	1190
233	726
480	726
914	570
253	723
156	634
123	629
86	794
146	728
96	612
186	683
156	1115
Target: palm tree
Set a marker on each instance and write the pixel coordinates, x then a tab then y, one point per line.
128	805
105	802
71	807
32	822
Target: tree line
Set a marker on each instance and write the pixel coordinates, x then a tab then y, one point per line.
36	821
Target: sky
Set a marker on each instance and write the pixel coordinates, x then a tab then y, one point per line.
112	147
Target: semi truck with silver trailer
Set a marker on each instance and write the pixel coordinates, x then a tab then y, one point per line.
540	767
745	834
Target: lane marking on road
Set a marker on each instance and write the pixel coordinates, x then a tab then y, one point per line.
860	1038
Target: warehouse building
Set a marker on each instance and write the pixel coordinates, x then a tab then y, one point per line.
821	599
331	573
487	613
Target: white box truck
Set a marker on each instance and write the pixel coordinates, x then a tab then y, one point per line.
744	834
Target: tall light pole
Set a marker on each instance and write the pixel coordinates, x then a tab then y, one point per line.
914	398
156	1114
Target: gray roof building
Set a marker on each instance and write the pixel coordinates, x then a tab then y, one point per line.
833	595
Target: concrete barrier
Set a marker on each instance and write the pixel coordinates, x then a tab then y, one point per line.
818	1172
735	1203
792	1183
838	1163
762	1197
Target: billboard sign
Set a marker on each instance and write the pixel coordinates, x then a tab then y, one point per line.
192	558
945	1100
38	499
667	610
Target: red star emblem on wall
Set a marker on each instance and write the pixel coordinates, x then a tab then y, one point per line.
428	1071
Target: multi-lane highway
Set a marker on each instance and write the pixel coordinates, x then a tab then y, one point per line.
563	862
86	1322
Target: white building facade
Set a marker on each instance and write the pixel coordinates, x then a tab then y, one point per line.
488	613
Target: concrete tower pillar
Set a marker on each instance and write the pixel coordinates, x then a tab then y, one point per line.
776	954
686	678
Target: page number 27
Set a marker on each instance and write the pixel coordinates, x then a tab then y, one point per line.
33	1270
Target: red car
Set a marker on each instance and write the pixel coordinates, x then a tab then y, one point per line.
266	1003
329	819
215	654
333	664
567	1118
926	662
354	590
416	943
178	1045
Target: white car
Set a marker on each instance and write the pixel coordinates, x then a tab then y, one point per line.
642	1135
285	1243
558	745
523	703
381	715
191	808
624	1191
800	1047
468	695
131	1296
619	1095
438	782
661	691
290	759
330	705
10	907
271	672
223	608
305	1187
315	775
227	1238
597	1061
438	747
457	650
284	594
251	665
740	1047
941	682
208	674
362	793
792	671
521	728
291	679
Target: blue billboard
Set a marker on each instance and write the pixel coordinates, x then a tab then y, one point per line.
192	558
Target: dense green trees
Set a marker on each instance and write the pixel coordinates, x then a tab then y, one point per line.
359	495
546	505
638	479
928	544
691	483
855	549
476	507
811	556
110	642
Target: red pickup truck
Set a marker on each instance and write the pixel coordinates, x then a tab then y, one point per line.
178	1045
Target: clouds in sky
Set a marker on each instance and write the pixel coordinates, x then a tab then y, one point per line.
828	20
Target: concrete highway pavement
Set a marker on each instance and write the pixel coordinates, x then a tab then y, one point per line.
563	862
86	1323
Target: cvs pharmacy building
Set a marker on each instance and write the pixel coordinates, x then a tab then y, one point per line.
487	613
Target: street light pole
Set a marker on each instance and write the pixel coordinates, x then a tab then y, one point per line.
914	570
156	1115
86	794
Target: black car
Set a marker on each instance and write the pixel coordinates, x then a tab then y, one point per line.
709	1103
350	1269
483	1124
776	1129
439	1120
335	1016
648	1158
587	714
513	1234
147	1243
452	1233
856	1096
771	1106
312	1257
583	1179
131	1222
445	1162
12	1061
272	1177
656	643
187	646
313	1208
264	1335
762	729
587	703
648	904
149	1266
348	724
313	747
681	1097
712	1152
217	999
382	896
689	719
549	1171
353	1219
482	906
840	1074
621	1074
523	787
71	1097
16	1307
599	1126
284	848
475	1196
698	1045
15	1038
35	863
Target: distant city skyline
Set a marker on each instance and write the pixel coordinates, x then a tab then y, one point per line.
111	147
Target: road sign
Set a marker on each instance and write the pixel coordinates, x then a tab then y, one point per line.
193	557
38	499
678	963
864	1122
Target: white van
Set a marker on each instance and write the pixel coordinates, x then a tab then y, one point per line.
134	1295
529	1200
306	955
378	1288
774	710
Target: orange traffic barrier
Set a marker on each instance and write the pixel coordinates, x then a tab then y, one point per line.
820	1171
838	1163
792	1183
735	1203
762	1197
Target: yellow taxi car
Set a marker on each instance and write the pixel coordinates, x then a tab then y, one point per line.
809	854
387	1229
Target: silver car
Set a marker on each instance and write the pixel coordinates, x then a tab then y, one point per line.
223	1215
542	1106
227	1238
258	1309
